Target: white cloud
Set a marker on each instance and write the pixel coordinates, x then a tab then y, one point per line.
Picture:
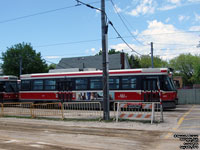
183	18
167	7
123	47
135	32
117	9
167	20
52	57
195	28
92	51
174	1
197	17
170	4
145	7
169	41
193	1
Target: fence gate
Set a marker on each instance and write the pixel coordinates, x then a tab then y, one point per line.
65	90
151	93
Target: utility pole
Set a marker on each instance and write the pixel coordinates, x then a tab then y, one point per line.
152	66
20	65
105	64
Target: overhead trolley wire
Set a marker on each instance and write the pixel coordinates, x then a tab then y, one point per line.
59	64
42	13
109	22
125	24
123	39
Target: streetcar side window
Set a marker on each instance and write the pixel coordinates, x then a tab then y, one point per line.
96	83
37	85
50	85
128	82
81	84
25	85
114	83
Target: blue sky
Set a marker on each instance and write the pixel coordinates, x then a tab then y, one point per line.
71	31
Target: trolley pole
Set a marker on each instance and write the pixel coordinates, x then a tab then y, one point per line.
152	66
105	64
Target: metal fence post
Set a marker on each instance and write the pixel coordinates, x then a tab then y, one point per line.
62	112
117	114
161	113
152	113
2	109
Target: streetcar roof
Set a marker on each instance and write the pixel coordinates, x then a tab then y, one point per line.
142	71
8	78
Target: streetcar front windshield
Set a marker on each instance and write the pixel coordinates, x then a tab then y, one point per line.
2	87
167	84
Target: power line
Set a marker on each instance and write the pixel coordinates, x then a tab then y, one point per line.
39	13
175	44
179	49
123	39
55	64
59	64
95	40
178	32
90	6
43	12
109	22
68	43
125	24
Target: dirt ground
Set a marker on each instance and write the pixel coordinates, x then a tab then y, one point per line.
31	134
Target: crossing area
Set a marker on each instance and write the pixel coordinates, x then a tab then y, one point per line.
185	133
191	120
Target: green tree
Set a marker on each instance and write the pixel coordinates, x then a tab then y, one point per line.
134	61
31	61
52	66
111	51
145	62
187	66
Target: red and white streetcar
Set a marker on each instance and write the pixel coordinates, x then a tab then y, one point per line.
9	89
124	85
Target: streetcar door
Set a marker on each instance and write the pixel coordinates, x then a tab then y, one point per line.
151	93
65	90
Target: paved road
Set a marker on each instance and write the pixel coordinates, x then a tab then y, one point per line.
187	125
28	136
191	120
31	134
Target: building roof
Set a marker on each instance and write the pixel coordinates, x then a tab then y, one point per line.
115	62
